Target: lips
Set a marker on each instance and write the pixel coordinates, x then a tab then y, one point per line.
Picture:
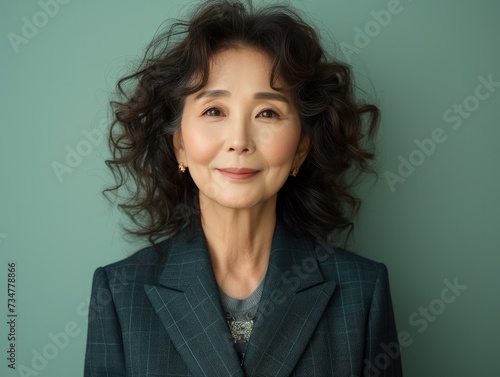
238	173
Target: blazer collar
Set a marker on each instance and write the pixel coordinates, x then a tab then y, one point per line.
293	300
187	301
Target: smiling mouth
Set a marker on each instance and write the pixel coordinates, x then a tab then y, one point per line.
241	173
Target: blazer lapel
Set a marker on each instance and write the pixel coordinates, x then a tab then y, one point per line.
188	304
293	300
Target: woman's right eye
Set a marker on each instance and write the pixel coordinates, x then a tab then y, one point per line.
213	112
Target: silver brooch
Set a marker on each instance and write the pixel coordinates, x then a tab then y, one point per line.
240	330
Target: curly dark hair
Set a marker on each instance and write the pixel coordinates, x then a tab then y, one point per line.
159	200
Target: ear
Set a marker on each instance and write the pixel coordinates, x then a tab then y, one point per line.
302	150
179	147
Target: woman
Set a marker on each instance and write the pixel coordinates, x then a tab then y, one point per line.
236	141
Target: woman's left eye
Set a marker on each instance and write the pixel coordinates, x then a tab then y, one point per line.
268	114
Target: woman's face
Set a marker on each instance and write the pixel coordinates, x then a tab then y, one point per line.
239	138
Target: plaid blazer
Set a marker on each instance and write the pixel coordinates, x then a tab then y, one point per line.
323	312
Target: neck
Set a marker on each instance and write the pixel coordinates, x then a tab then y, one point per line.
239	244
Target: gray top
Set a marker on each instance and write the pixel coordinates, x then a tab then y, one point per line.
240	315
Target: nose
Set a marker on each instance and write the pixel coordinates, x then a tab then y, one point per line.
239	138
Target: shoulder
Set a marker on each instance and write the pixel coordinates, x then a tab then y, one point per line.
358	279
335	263
345	266
142	267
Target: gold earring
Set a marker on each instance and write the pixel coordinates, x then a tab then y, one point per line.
182	168
294	171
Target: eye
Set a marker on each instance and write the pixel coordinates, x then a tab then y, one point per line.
268	114
213	112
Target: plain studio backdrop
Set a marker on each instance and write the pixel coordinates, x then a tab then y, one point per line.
431	217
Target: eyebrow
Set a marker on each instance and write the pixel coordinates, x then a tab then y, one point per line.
212	93
271	96
258	95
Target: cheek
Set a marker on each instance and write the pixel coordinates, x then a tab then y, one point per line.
200	146
281	150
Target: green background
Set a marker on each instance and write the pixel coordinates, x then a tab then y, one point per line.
438	225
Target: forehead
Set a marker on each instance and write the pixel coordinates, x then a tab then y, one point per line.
244	59
242	65
240	52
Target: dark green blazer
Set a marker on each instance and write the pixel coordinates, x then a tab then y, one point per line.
323	312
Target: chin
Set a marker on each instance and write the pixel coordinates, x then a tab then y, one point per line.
237	201
238	204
